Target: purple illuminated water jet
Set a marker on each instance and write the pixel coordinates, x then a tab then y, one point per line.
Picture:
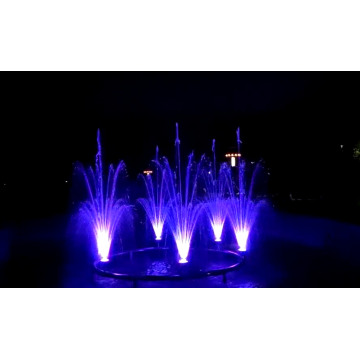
215	204
102	210
156	204
184	209
242	208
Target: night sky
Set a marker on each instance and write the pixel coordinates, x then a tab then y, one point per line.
296	122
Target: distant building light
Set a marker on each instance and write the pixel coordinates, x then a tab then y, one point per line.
233	162
233	155
148	172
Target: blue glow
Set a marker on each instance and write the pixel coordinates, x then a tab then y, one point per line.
242	209
156	204
102	210
215	204
173	200
184	209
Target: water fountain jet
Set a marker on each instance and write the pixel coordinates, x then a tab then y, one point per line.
242	209
215	204
156	203
102	210
184	210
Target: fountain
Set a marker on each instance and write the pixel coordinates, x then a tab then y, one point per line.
156	203
103	210
184	209
215	203
171	201
242	209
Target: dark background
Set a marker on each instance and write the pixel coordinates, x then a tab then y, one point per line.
296	122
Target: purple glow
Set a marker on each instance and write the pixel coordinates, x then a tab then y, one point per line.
217	225
184	211
242	213
156	205
242	209
215	206
217	212
103	210
241	238
103	242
